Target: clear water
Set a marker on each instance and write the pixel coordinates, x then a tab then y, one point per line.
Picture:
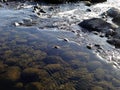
56	46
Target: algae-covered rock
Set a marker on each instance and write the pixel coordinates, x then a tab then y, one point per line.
54	67
97	88
11	74
30	74
19	86
53	60
34	86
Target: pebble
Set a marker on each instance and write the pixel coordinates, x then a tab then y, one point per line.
95	32
98	46
65	39
73	31
89	46
57	47
88	10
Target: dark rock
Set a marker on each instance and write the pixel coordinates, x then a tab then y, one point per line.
116	20
110	32
117	33
38	8
88	10
96	33
102	35
89	46
97	1
57	47
113	12
42	11
65	39
98	46
96	24
55	1
115	42
63	1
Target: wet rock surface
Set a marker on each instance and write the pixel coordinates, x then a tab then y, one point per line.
96	24
116	20
113	12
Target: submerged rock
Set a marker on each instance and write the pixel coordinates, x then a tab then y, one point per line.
34	86
96	24
12	74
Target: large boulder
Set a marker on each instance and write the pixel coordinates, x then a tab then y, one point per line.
113	12
97	24
116	20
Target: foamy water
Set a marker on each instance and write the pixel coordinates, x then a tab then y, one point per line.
75	13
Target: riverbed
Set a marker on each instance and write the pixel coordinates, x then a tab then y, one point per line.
49	51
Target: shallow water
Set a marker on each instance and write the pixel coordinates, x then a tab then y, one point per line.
53	44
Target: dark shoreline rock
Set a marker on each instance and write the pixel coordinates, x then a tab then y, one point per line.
113	12
115	42
56	1
116	20
96	24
